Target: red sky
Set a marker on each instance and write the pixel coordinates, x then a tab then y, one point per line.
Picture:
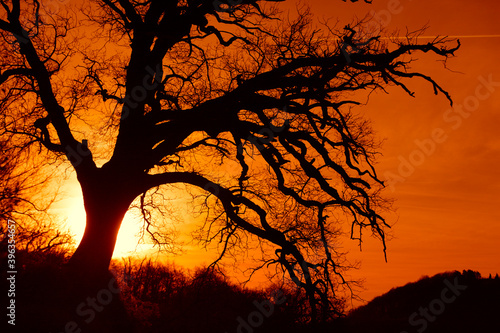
446	204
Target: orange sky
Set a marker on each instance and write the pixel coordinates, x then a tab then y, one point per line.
447	208
446	216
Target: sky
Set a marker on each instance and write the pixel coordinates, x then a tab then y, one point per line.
441	164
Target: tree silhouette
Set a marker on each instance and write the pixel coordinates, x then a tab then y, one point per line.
35	229
10	185
251	113
30	237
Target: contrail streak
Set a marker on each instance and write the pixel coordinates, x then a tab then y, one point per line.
434	37
444	36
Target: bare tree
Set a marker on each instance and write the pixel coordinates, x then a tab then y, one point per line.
251	113
35	228
10	185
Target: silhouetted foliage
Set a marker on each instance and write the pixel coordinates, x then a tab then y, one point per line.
48	299
204	300
156	298
34	229
9	187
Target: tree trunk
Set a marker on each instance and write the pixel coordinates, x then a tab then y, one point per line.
87	277
93	255
106	199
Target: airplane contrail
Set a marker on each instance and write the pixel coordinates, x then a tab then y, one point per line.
434	37
444	36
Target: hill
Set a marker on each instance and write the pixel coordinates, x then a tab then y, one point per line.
447	302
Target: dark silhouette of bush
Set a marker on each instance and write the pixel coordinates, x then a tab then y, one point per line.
47	300
164	298
37	274
153	298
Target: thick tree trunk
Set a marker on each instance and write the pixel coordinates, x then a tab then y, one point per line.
106	202
94	252
91	294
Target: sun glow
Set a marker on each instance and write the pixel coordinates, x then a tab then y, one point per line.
128	236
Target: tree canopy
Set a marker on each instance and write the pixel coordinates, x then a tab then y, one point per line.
251	111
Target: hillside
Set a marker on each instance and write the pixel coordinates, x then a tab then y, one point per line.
447	302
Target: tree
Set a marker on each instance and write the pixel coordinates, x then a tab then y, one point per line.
30	237
10	185
20	207
254	115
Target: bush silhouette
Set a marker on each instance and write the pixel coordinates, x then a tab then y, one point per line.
164	298
153	298
47	299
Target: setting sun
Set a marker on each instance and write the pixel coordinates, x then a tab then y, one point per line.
128	237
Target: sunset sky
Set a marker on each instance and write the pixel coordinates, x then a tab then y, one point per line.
447	214
441	164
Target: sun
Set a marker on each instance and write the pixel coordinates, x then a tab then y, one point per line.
128	236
